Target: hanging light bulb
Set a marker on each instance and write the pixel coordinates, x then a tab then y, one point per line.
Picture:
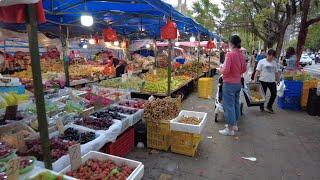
148	46
177	44
116	43
192	39
85	46
86	20
123	44
91	41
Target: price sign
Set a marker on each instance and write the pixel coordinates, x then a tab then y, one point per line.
20	141
13	169
75	156
60	127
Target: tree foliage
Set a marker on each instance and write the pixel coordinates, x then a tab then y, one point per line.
313	38
206	13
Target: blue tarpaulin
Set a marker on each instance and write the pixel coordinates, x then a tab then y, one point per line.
133	18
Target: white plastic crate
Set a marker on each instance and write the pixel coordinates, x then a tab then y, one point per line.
137	116
175	125
137	174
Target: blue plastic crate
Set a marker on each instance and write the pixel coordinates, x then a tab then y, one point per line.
17	89
181	60
293	88
290	103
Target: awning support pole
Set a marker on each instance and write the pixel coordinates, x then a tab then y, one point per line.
63	38
37	84
169	67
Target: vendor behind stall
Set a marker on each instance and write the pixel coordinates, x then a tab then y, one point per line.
120	66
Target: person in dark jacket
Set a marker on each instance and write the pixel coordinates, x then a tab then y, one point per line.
222	56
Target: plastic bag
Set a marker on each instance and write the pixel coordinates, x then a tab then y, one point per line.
280	89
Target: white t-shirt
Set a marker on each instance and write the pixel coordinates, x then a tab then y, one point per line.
1	59
267	70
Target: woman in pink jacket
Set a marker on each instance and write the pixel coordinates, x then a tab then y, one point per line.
232	70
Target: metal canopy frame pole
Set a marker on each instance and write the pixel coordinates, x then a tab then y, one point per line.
169	67
37	83
209	69
63	38
198	55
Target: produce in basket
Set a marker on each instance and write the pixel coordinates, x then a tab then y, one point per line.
3	176
95	123
108	114
72	134
3	167
161	109
5	150
122	110
47	175
94	169
26	164
58	146
133	104
190	120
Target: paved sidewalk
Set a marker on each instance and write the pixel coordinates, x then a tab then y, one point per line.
286	145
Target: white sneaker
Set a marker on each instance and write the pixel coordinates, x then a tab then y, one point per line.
226	132
235	128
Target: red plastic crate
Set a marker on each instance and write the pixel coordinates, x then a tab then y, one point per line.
123	145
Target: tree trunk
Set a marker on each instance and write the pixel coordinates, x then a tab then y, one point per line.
302	36
280	42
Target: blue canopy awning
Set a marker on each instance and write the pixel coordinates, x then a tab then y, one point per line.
128	17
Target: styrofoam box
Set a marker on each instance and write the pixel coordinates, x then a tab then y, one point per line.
38	170
93	145
175	125
111	134
137	174
137	116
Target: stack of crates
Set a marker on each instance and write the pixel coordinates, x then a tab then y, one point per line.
185	138
205	87
305	91
158	135
292	96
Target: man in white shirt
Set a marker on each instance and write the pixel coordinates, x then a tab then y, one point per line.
268	75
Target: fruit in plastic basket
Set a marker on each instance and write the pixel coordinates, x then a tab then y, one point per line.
5	150
72	106
161	109
58	146
122	110
72	134
133	104
95	100
3	176
256	97
26	164
94	169
47	176
95	123
190	120
108	114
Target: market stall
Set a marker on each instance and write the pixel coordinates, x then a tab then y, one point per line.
49	130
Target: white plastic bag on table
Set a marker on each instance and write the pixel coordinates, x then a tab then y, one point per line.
280	89
114	131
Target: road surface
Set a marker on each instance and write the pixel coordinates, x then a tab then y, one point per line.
313	69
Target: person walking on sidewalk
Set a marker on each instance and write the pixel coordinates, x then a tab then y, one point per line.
268	75
232	70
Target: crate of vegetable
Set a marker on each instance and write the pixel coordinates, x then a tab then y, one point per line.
255	93
96	165
189	121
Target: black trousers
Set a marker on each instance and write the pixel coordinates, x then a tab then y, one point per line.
272	86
